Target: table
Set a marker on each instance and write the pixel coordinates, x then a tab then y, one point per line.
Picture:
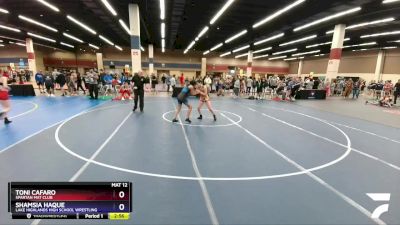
22	90
311	94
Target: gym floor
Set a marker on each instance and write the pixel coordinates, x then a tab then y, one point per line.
262	162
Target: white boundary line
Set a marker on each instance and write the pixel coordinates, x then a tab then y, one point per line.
347	152
313	176
40	131
327	139
95	154
339	124
35	107
367	132
207	199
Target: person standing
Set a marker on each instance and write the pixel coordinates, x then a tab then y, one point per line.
39	78
168	82
396	91
204	99
173	82
249	83
4	97
49	84
182	80
93	80
79	83
356	89
138	87
207	83
182	98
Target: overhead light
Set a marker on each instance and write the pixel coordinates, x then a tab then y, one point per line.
68	45
141	48
1	40
163	43
117	47
225	54
109	7
206	52
221	11
20	44
163	50
278	13
262	50
283	52
202	32
389	1
241	56
41	37
49	5
398	41
334	16
299	40
11	42
361	50
358	45
162	30
270	39
381	34
370	23
191	45
1	45
243	32
72	37
123	24
326	43
279	57
186	50
260	56
106	40
3	11
37	23
365	24
94	46
84	26
306	53
241	48
162	9
291	59
390	47
216	47
9	28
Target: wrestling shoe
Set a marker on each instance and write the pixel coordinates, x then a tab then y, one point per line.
7	121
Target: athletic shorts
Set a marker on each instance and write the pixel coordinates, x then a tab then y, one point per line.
183	101
39	83
4	95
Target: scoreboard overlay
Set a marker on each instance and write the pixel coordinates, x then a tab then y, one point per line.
70	200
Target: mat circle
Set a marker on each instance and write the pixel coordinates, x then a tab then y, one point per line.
166	176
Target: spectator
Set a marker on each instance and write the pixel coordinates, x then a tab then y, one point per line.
39	78
348	88
79	83
396	91
249	83
356	89
93	81
182	80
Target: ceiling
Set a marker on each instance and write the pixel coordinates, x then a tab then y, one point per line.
186	18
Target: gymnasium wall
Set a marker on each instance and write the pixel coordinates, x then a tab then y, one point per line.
360	64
